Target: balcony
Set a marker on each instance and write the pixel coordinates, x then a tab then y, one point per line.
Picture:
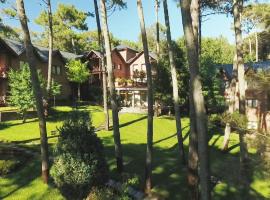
122	82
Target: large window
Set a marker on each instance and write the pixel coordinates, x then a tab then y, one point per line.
252	103
56	70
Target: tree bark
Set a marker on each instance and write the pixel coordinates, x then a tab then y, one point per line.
37	90
157	28
79	91
250	46
104	76
149	146
198	99
257	47
193	157
232	93
116	132
175	84
237	9
193	165
49	81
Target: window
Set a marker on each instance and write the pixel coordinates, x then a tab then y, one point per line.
227	84
143	67
252	103
113	65
56	70
135	66
119	66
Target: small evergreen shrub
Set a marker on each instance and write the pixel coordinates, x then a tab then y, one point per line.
7	166
236	120
79	162
101	194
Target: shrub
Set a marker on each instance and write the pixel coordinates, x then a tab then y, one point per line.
79	162
101	194
236	120
21	91
7	166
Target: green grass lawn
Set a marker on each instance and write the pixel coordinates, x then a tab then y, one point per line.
169	177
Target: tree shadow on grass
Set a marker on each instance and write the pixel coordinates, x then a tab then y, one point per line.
7	124
169	175
33	140
173	135
124	124
24	177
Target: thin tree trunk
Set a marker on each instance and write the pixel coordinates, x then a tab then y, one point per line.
79	91
157	5
175	84
49	81
232	93
198	99
227	133
193	167
116	132
257	46
237	9
195	16
104	76
193	157
149	146
37	90
157	28
250	46
73	45
200	32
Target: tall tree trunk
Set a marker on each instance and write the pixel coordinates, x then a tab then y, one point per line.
193	157
232	93
198	99
193	167
116	132
73	45
157	28
157	6
79	91
149	146
104	76
200	31
37	90
174	83
257	46
237	9
49	81
250	46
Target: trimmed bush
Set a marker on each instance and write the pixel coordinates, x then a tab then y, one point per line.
101	194
7	166
79	162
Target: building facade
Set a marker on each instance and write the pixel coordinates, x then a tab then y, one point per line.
257	101
12	56
129	72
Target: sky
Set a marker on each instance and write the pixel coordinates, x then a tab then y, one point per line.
124	24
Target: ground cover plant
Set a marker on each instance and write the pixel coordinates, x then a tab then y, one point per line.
169	178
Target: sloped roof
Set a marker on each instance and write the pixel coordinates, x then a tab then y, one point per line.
97	53
263	65
43	52
15	46
69	56
123	47
151	55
